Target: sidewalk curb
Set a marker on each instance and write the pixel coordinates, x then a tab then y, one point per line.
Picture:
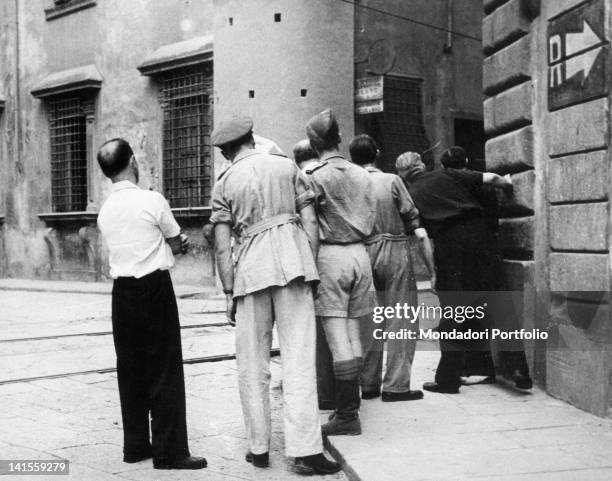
351	474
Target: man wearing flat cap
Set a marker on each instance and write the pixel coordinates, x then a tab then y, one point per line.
265	202
346	212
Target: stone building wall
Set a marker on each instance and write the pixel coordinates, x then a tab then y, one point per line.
546	77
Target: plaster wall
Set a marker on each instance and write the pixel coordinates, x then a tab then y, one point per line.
451	69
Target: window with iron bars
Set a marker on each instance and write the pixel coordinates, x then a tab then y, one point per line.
401	124
187	159
68	155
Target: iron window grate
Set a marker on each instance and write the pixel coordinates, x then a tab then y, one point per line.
68	155
401	124
187	152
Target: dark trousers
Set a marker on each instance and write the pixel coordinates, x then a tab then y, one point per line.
147	339
326	381
466	261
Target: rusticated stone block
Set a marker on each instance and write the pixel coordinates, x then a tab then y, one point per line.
507	67
579	227
552	8
577	370
505	25
578	177
578	272
510	153
509	110
520	201
578	128
519	281
591	317
518	275
516	236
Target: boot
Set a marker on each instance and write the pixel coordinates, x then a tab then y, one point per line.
346	417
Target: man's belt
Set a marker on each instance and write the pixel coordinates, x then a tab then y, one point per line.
266	224
386	237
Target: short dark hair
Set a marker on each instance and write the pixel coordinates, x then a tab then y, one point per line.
363	150
454	158
303	151
114	156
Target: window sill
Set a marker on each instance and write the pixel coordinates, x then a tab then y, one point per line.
192	212
70	7
51	218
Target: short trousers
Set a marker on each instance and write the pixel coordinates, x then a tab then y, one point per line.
346	288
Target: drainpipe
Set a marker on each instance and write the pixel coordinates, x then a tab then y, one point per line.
448	46
17	112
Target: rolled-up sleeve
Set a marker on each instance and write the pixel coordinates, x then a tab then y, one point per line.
405	206
221	211
304	195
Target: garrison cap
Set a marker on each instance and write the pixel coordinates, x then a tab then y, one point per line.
323	128
231	130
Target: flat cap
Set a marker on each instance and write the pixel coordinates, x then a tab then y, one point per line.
231	130
323	129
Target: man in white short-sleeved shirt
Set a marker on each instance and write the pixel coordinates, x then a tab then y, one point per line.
142	236
136	224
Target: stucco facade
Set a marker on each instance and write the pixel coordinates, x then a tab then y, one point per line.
279	61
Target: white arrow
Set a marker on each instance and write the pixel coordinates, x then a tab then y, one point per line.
575	42
582	63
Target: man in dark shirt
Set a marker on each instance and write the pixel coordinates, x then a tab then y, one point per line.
511	353
452	215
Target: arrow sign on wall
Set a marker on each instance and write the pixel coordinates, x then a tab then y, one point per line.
582	63
576	42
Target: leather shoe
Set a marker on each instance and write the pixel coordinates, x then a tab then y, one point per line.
258	460
435	387
315	464
521	381
188	462
370	394
402	396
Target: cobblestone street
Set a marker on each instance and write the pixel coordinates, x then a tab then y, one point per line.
78	417
486	432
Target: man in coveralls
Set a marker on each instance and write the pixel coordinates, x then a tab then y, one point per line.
446	199
258	198
346	211
392	268
141	234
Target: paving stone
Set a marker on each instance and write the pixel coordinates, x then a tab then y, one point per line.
507	67
504	25
578	177
510	153
578	128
